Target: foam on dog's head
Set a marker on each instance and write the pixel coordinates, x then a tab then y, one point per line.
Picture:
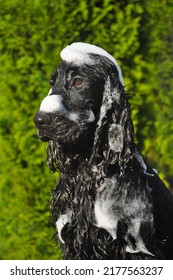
79	53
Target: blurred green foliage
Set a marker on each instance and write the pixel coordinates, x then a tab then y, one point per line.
139	34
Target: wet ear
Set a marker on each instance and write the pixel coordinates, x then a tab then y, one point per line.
115	137
115	129
109	131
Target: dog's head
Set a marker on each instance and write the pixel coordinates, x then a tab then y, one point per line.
70	112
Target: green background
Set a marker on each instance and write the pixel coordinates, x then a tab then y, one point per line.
139	34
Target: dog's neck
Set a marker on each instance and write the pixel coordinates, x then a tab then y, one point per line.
64	159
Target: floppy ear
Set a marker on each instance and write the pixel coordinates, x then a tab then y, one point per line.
114	132
115	137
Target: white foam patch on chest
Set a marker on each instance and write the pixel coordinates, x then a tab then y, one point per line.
109	211
79	53
104	219
61	222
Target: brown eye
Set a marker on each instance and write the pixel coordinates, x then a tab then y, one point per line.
77	82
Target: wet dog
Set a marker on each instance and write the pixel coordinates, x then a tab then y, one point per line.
108	204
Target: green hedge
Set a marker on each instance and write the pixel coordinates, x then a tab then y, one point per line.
32	33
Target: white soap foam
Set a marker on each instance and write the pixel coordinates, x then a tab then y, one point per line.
79	52
51	104
61	222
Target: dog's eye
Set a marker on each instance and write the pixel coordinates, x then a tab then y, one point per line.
77	82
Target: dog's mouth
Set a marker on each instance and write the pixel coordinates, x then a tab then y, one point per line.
59	129
63	128
42	135
56	131
42	122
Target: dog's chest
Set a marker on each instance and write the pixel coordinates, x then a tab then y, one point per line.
117	205
120	209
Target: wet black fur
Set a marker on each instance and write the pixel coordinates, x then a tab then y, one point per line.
76	150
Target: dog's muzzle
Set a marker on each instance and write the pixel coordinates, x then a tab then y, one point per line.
52	107
42	120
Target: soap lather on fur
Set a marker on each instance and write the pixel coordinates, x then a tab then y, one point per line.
108	204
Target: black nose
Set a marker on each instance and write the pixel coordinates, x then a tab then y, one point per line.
41	118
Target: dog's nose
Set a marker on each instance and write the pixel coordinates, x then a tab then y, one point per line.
41	118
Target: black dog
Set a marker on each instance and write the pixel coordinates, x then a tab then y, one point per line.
109	204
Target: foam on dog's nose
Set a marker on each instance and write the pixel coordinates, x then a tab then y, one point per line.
79	53
52	104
